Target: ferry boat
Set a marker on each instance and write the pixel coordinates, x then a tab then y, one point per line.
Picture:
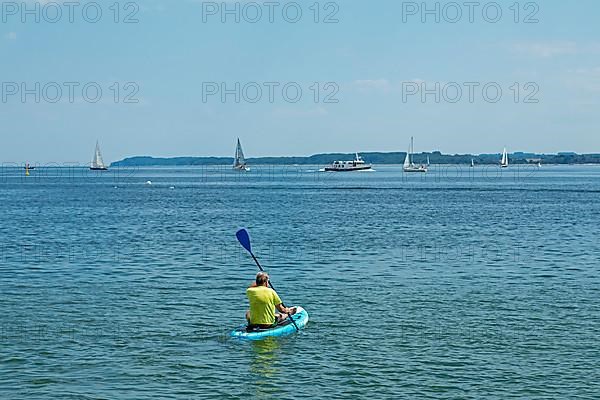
346	166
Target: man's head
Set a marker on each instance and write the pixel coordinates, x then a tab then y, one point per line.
262	279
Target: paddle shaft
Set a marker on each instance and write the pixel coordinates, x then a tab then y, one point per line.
262	270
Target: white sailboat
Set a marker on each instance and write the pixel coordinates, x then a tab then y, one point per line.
239	162
504	160
97	162
409	165
472	163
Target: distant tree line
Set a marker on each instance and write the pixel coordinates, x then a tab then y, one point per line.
435	157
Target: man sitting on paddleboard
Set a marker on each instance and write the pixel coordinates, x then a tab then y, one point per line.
263	302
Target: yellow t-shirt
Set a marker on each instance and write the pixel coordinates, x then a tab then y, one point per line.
262	305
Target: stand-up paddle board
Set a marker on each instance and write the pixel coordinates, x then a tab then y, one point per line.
283	329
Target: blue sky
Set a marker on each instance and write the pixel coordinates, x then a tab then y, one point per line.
374	55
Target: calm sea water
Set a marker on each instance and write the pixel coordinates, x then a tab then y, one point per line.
459	284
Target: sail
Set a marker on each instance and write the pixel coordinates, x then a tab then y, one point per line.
97	161
239	160
504	161
407	160
412	149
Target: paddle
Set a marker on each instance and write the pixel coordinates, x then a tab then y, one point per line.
244	239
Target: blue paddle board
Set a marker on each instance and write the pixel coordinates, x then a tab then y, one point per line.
283	329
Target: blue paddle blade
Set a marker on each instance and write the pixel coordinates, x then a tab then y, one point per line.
244	239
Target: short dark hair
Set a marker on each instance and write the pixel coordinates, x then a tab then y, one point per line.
262	278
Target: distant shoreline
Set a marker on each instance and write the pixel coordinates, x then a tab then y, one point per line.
376	158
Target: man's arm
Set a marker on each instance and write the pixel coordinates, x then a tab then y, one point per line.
284	310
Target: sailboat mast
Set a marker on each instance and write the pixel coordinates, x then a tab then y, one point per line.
237	153
95	158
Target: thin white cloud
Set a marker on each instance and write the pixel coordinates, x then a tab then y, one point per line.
555	48
587	79
293	113
11	36
391	86
416	80
373	84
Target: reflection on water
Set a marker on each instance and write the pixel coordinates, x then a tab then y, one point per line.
264	357
265	361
